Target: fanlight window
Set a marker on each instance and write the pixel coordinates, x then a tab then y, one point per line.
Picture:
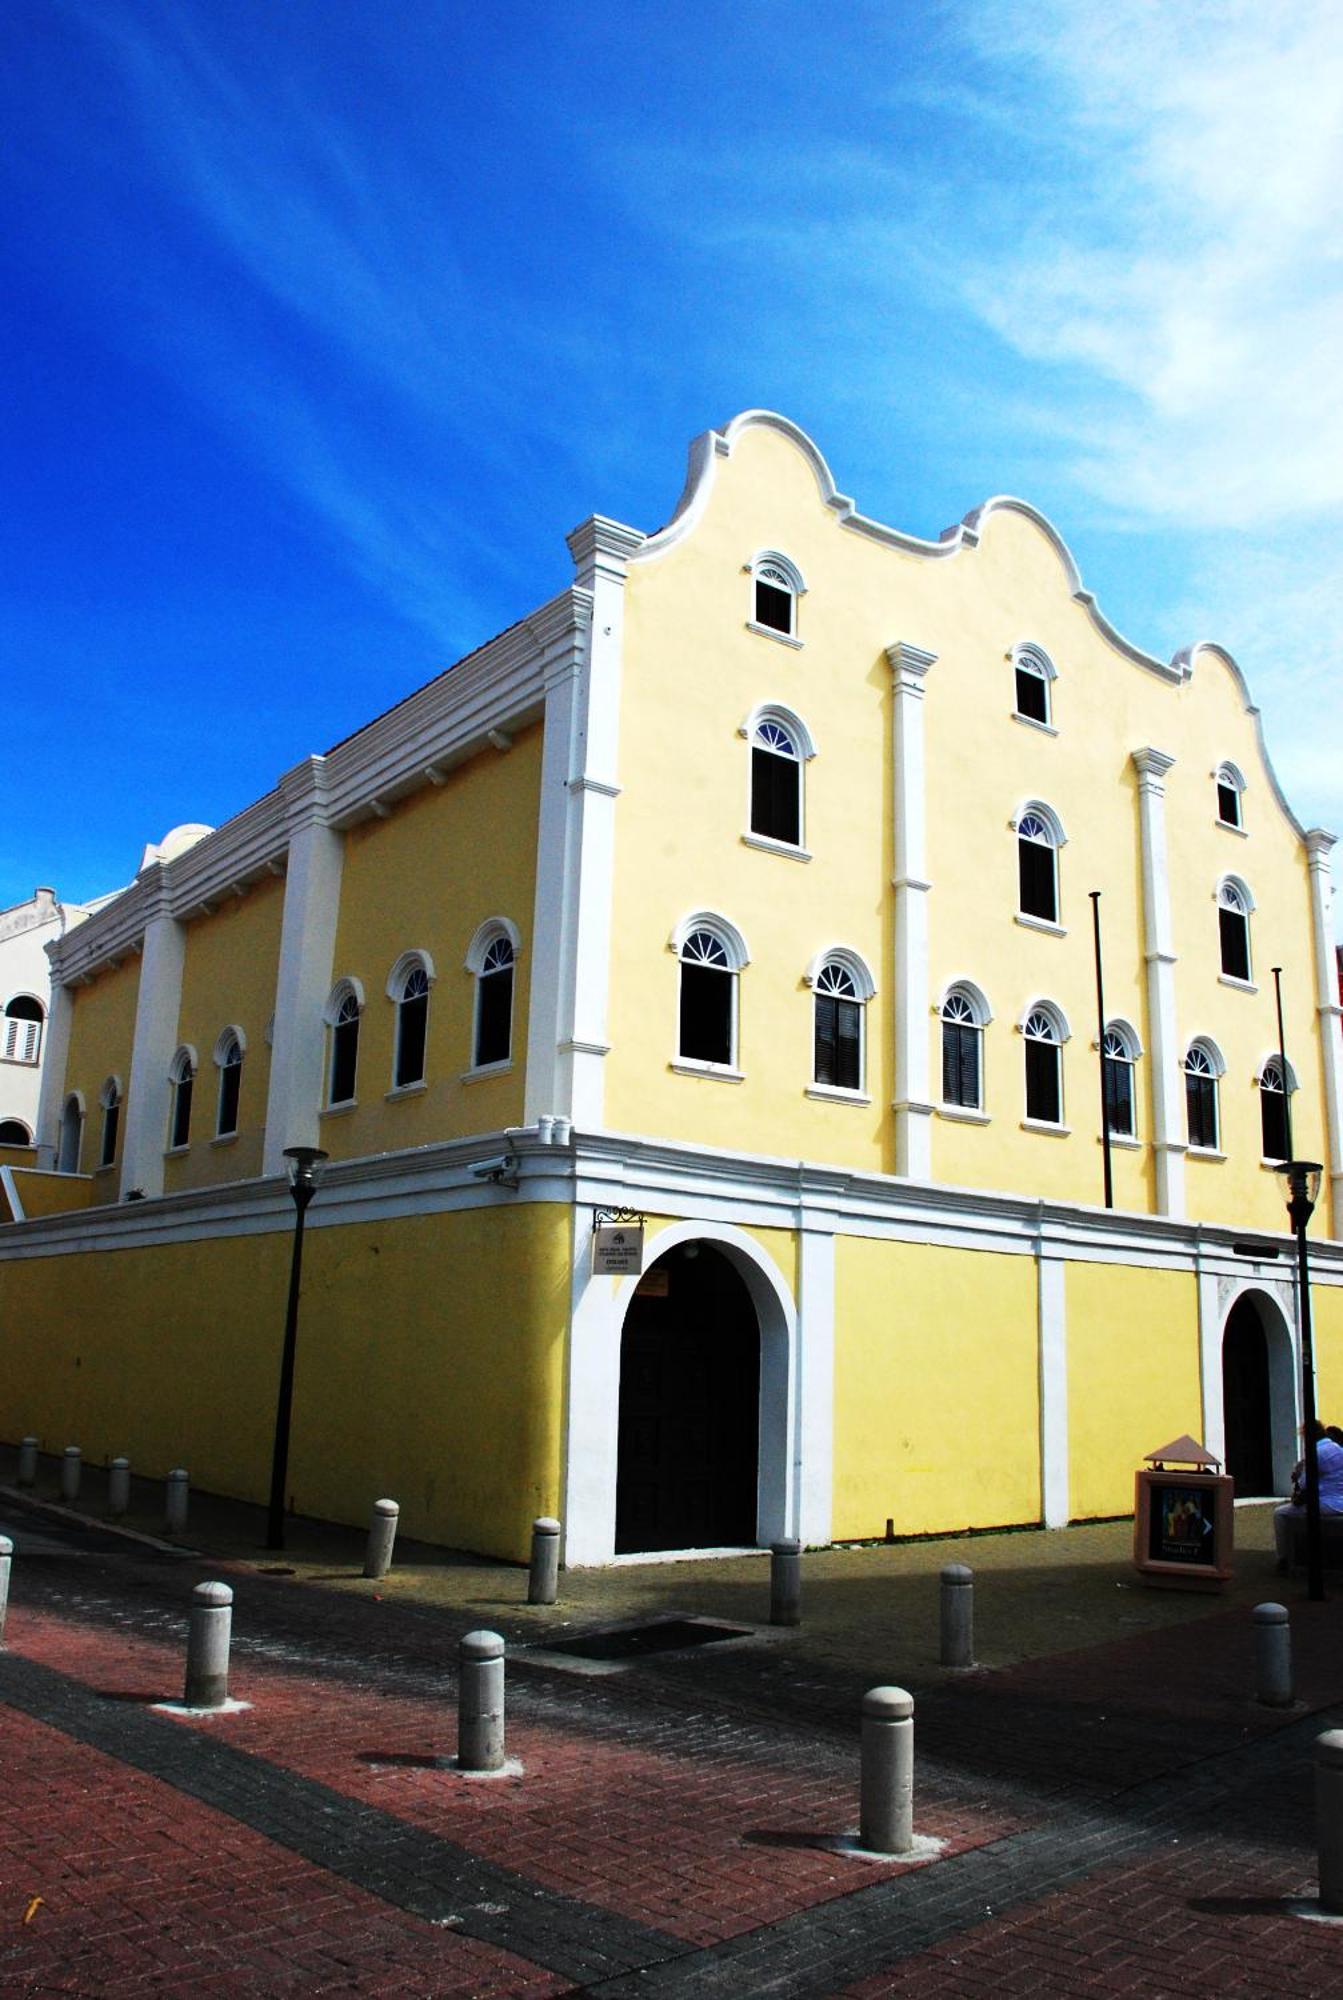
1044	1068
708	1004
22	1029
1032	686
1230	788
838	1037
494	1003
412	1027
1117	1059
1233	918
13	1132
109	1098
1037	860
229	1058
1200	1095
182	1077
776	783
1274	1111
344	1050
962	1053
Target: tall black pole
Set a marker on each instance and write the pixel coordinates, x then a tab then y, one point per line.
1100	1016
1282	1059
302	1192
1314	1547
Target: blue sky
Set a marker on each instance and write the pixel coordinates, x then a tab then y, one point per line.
327	321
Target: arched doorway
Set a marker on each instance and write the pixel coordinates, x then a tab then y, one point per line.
1258	1398
72	1127
689	1439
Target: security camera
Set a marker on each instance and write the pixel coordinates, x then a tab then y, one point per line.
503	1170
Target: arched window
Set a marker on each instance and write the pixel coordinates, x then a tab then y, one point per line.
780	744
1034	671
342	1013
408	986
1230	795
1273	1109
71	1134
1119	1053
13	1132
228	1056
1234	904
492	957
964	1016
842	986
1044	1035
109	1100
23	1020
182	1077
1039	838
712	954
1202	1068
776	586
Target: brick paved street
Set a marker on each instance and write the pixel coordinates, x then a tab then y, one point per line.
1116	1813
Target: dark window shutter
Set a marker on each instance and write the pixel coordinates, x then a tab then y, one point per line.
773	607
1228	805
230	1084
848	1044
1042	1082
775	783
344	1059
1273	1117
494	1016
706	1014
1235	944
1032	696
1037	881
412	1024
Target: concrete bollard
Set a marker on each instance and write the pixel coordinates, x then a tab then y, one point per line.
176	1493
119	1486
70	1474
207	1646
785	1582
958	1616
381	1537
1273	1656
480	1702
6	1555
28	1462
1329	1818
543	1581
886	1792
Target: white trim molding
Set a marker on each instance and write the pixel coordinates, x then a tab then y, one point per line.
1319	847
1168	1054
909	667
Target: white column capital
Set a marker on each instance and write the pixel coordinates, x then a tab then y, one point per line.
1151	766
304	792
1319	843
909	664
602	547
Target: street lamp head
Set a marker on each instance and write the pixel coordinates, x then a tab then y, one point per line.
305	1167
1303	1188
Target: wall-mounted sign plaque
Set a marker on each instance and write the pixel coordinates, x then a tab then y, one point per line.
618	1250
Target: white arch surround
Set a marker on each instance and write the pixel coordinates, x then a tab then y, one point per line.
788	718
853	962
224	1042
1052	1010
1275	1302
1043	812
346	988
484	936
593	1426
726	932
1027	653
410	961
775	559
976	997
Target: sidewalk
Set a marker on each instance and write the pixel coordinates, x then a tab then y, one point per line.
1115	1811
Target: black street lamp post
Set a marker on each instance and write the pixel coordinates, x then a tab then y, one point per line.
1303	1187
304	1165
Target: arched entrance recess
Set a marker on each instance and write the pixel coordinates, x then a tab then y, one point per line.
687	1470
1258	1396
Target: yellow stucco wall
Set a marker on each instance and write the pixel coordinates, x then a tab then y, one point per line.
430	1362
102	1032
449	857
1326	1304
1133	1376
694	673
55	1194
936	1389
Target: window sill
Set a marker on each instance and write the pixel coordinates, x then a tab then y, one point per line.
1033	722
1241	985
484	1070
1121	1140
1204	1153
962	1114
1044	1125
339	1110
405	1090
718	1072
224	1139
834	1093
107	1167
768	632
1271	1166
176	1152
21	1062
1227	827
769	846
1041	924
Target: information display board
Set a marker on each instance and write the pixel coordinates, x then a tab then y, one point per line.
1183	1527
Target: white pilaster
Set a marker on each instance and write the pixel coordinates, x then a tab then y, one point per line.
909	994
1210	1363
1055	1483
52	1095
1168	1116
1318	846
567	1044
157	1004
814	1423
315	857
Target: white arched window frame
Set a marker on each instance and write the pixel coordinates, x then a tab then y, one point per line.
1230	782
1040	836
343	1012
1235	905
841	985
1044	1029
1274	1121
408	985
1204	1069
109	1102
491	957
71	1134
1120	1050
781	745
1034	674
182	1084
964	1014
13	1132
776	590
21	1036
713	954
229	1051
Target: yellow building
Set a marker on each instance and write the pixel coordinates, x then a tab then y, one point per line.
745	886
